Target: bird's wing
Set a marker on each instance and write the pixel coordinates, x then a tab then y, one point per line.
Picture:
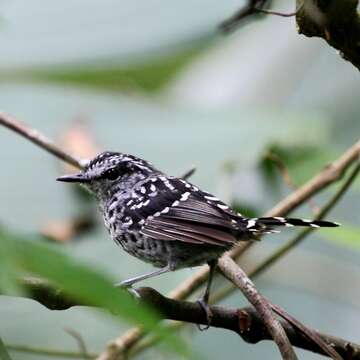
173	209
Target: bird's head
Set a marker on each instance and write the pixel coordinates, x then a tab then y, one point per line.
110	172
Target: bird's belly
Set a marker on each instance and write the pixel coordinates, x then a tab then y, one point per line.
146	249
188	255
160	253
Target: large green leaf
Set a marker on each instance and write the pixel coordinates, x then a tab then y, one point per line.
148	76
345	235
4	355
79	281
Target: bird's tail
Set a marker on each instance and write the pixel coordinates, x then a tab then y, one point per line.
265	225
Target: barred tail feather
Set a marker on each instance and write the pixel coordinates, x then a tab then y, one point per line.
265	224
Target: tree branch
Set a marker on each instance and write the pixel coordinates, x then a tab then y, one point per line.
336	21
330	174
39	139
237	276
246	322
260	268
298	238
326	177
252	7
49	352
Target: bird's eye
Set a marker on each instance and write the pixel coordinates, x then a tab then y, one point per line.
113	174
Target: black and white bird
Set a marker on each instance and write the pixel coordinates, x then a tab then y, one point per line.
167	221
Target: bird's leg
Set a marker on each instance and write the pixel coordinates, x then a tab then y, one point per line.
130	282
204	300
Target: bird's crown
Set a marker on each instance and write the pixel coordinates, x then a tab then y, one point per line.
111	162
110	166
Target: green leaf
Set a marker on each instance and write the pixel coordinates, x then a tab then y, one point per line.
80	282
149	75
345	235
4	355
8	282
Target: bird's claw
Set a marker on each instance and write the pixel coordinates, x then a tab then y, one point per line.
205	306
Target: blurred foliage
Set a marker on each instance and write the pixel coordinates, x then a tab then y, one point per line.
246	209
233	101
4	355
148	75
21	255
345	235
300	161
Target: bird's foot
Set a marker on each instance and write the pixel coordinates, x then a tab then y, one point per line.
205	306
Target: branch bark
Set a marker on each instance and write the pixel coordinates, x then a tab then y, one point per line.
39	139
237	276
330	174
246	322
55	299
326	177
335	21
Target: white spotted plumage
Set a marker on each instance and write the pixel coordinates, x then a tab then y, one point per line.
175	203
251	223
213	198
159	218
222	207
185	196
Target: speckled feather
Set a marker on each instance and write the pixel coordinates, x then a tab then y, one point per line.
166	220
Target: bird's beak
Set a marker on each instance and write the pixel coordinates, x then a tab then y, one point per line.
75	178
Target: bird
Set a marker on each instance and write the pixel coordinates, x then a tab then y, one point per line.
168	221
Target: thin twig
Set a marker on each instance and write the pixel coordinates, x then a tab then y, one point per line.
294	242
300	237
251	8
313	336
39	139
322	180
330	174
246	322
267	263
281	14
238	277
49	352
278	162
152	340
188	173
272	258
80	341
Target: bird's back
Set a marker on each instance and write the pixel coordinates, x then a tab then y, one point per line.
165	219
